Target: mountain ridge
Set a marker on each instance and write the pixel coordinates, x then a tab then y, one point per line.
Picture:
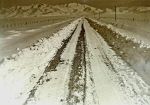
94	3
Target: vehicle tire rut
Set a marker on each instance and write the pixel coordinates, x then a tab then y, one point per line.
51	67
77	82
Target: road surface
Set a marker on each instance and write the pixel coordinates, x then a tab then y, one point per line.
76	66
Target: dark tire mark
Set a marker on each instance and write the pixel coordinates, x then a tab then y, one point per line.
77	82
51	67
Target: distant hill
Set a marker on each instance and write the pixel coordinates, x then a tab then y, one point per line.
37	10
73	9
94	3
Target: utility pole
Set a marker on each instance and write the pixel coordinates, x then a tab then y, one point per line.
95	15
84	3
1	4
115	13
77	2
115	10
99	15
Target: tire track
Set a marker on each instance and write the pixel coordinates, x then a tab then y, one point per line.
125	83
78	75
51	67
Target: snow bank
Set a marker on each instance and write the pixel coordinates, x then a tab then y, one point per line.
128	35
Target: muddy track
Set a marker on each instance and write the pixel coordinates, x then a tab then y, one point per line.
51	67
77	82
137	57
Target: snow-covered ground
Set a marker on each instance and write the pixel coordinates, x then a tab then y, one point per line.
133	32
13	40
132	22
138	30
116	83
74	66
134	53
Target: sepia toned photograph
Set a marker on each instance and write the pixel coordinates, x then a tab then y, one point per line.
74	52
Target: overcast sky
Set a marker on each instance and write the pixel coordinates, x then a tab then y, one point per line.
95	3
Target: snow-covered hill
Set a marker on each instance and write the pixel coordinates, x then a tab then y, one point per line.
48	10
72	9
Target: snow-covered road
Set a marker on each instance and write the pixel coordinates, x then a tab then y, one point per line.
75	66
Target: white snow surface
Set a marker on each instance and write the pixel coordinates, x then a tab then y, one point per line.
117	85
22	71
